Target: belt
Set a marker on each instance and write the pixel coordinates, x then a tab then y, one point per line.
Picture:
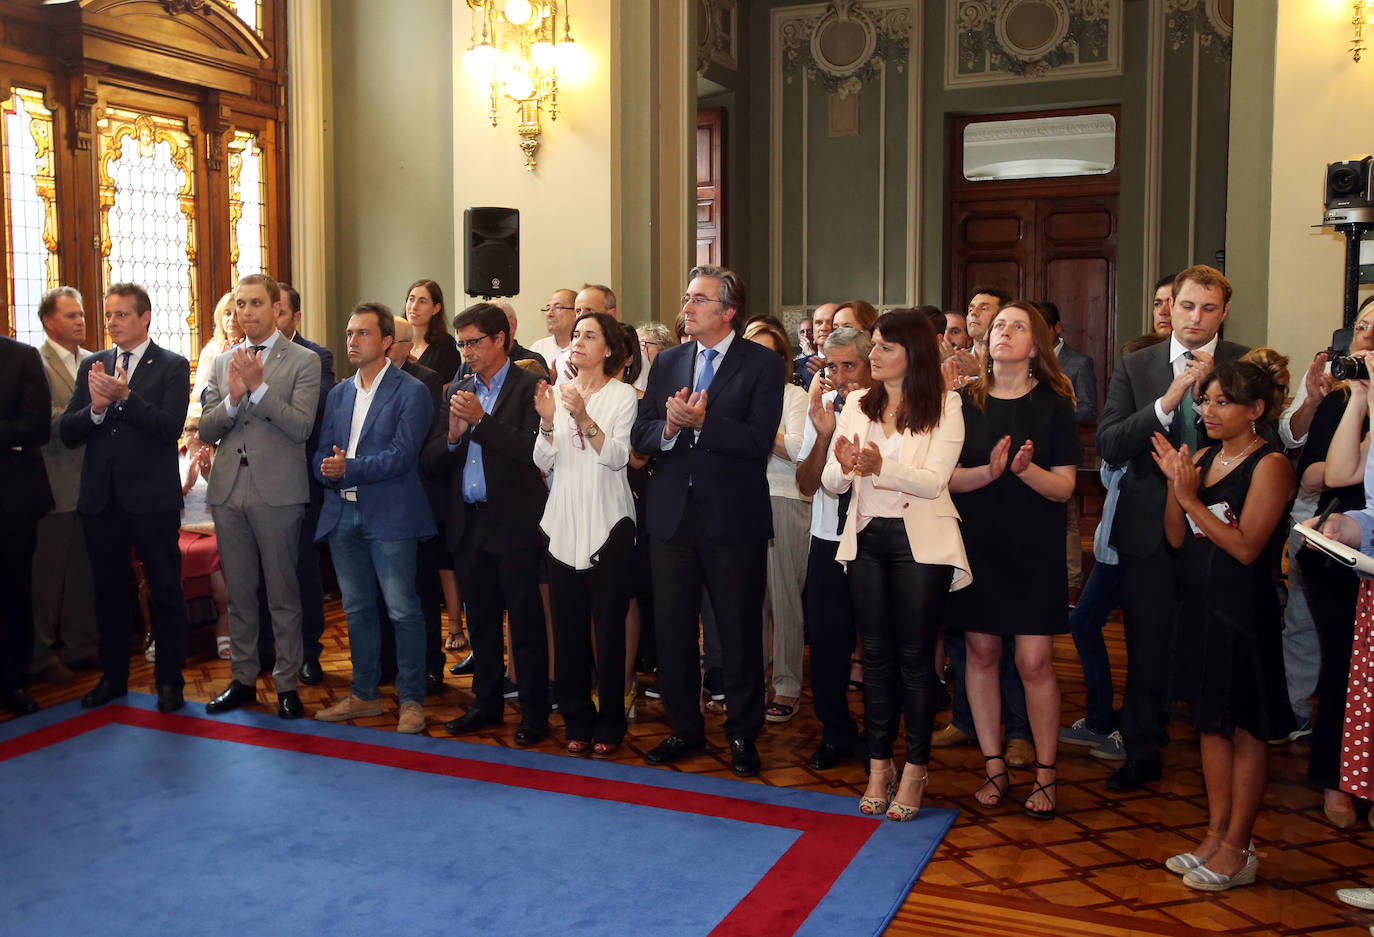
477	505
350	495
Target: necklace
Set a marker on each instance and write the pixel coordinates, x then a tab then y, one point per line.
1228	462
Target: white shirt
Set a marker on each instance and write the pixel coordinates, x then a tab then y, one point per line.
873	501
549	349
590	492
68	358
255	396
362	402
1178	362
782	473
825	507
722	346
135	356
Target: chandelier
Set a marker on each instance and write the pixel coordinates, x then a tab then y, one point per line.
516	52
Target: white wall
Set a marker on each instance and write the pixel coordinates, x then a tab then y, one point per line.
565	204
1323	112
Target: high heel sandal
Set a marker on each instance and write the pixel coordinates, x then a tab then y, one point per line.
1185	862
992	779
1039	788
902	812
875	806
1204	879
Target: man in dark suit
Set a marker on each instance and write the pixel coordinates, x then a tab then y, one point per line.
1077	366
24	498
129	408
495	502
710	415
308	554
259	409
1152	391
375	512
429	552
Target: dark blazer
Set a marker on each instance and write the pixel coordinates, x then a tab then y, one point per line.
443	357
24	427
326	385
436	488
385	467
132	454
1124	436
1079	369
518	352
515	487
727	464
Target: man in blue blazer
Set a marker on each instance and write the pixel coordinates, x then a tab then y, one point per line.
129	408
375	512
710	415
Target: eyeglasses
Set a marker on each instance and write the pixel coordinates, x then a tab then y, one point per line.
578	440
646	344
698	300
554	307
469	344
1364	328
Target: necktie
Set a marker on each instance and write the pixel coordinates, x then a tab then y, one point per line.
126	355
708	370
1187	412
257	350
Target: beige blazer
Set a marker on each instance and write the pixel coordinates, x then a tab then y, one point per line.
922	470
63	464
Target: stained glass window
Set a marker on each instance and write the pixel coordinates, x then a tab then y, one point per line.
148	219
250	11
247	206
30	208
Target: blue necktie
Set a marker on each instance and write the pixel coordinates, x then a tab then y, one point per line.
126	355
708	370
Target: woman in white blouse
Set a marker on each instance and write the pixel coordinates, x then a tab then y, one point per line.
227	334
584	445
788	549
896	446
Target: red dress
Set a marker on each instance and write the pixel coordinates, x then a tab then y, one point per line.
1356	765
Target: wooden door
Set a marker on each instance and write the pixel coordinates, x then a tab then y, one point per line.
711	185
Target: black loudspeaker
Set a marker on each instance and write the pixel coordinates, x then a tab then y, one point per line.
492	237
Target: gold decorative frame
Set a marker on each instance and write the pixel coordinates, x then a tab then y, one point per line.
45	180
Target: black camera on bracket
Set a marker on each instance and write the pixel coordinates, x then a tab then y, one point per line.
1349	193
1349	368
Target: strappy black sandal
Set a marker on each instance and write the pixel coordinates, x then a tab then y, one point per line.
992	779
1039	788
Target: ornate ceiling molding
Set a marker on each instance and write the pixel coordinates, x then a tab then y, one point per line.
841	46
1004	41
717	34
1211	21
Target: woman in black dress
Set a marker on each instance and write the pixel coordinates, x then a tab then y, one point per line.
1222	514
434	348
1017	469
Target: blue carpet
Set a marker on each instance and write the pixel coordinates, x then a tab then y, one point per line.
137	822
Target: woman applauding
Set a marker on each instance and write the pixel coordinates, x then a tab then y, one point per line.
895	447
1018	467
584	443
1222	515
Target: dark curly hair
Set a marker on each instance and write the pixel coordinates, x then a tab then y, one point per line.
1243	383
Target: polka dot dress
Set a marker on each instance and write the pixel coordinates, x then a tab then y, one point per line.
1356	764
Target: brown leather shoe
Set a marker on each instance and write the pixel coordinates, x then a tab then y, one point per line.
412	719
1020	753
947	737
350	707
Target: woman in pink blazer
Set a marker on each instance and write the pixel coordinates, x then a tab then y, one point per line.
896	446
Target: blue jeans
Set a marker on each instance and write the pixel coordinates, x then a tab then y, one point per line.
1101	595
362	563
1017	724
1302	655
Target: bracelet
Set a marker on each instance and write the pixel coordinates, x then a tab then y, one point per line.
545	432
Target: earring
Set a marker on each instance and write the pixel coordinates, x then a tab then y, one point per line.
1253	428
1030	371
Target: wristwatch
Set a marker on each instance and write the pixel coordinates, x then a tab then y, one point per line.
591	431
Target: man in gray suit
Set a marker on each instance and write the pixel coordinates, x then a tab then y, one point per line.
63	594
259	410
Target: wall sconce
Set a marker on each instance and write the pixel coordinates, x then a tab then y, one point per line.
517	52
1358	22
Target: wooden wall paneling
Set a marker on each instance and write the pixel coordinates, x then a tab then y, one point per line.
992	244
711	195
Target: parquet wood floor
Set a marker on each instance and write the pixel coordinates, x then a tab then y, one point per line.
1096	870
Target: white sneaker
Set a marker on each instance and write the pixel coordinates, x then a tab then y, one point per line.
1357	897
1113	749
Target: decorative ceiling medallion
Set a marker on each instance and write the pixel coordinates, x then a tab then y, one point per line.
841	47
1002	41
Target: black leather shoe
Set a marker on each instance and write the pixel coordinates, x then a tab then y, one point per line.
828	756
434	682
672	748
102	694
530	733
169	698
471	721
289	705
744	758
1133	775
466	665
234	696
311	672
19	702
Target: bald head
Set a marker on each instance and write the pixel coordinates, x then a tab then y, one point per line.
404	342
